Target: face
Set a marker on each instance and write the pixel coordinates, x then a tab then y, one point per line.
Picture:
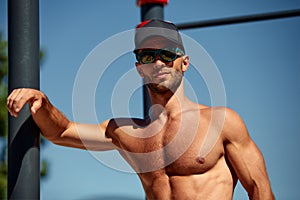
161	75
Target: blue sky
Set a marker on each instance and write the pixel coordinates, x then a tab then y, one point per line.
259	64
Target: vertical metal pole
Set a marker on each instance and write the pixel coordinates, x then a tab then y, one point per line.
150	11
23	139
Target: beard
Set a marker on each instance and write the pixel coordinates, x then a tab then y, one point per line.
163	85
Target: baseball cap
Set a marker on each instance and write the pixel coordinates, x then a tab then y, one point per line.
157	27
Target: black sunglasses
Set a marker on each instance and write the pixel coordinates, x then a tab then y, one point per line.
147	56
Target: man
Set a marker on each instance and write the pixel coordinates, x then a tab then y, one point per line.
182	150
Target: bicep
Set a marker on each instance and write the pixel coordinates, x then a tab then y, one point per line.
248	163
86	136
244	155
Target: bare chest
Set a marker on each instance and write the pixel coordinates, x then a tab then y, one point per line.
176	148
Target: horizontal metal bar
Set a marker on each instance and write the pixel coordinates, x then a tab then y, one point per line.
240	19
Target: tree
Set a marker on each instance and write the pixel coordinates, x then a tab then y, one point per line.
4	120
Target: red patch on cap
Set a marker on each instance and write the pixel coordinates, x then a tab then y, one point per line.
144	23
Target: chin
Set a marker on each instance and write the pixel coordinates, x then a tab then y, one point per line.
162	88
164	85
158	88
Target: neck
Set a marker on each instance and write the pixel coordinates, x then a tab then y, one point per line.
170	103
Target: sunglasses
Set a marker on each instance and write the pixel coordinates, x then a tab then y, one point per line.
147	56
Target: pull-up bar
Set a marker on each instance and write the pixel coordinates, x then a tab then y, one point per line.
240	19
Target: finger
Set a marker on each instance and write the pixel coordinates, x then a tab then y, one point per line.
11	101
21	99
10	98
36	105
14	101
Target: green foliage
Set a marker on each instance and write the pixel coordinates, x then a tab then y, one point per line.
4	121
3	116
3	86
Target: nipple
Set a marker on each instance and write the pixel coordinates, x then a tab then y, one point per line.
200	160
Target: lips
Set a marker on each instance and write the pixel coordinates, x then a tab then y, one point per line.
161	75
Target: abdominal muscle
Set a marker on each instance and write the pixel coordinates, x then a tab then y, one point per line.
215	184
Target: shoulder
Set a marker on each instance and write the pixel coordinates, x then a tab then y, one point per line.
220	112
229	116
234	128
227	119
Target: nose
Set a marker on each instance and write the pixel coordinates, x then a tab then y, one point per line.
158	62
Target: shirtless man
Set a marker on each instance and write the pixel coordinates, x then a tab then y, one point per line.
168	149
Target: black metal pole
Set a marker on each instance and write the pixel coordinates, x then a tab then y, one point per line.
240	19
150	11
23	139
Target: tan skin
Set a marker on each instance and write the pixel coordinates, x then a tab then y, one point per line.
166	170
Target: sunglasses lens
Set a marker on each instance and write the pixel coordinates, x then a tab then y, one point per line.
149	56
146	57
167	55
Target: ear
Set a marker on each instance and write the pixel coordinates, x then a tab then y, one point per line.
185	63
139	69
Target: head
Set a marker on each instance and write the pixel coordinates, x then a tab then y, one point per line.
161	59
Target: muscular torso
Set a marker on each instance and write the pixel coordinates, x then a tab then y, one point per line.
166	154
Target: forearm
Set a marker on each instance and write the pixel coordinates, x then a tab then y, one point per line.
50	120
